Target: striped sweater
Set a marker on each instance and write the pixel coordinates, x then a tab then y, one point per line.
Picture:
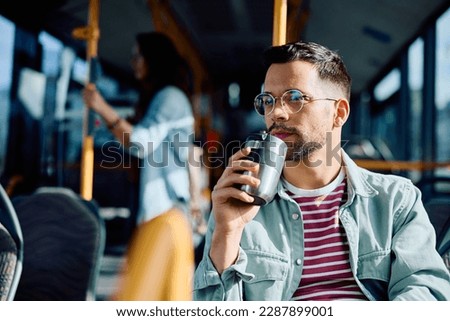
326	270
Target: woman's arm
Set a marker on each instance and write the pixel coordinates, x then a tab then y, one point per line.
119	127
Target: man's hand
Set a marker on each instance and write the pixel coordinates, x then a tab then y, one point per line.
232	209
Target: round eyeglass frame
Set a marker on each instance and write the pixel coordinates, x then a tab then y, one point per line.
305	99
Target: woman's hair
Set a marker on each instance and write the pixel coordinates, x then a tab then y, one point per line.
165	67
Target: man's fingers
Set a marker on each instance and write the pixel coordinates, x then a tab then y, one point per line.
222	195
237	178
239	154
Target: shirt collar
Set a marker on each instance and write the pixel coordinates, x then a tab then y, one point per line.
356	178
357	183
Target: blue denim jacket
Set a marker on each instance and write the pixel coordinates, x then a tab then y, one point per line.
161	140
391	241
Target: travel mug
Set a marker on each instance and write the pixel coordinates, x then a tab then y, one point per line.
270	152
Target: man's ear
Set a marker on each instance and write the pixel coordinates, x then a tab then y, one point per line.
341	112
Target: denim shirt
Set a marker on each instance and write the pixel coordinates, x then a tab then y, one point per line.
161	140
391	240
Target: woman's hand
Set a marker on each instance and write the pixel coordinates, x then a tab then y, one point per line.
94	100
120	128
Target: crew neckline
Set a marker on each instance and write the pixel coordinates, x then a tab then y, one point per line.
327	189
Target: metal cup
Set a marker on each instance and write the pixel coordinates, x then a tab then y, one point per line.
270	152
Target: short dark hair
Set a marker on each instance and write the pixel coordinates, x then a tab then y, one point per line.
328	63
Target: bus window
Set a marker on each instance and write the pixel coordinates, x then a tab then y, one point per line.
52	48
442	89
415	83
384	123
7	29
415	88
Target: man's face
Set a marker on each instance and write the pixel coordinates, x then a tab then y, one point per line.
305	131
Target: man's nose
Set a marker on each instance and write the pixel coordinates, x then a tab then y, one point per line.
279	110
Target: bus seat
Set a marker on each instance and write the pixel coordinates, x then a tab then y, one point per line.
439	213
63	242
8	261
11	248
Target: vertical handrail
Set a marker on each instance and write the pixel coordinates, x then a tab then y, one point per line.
90	34
279	22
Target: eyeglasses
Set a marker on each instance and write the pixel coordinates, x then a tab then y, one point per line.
292	100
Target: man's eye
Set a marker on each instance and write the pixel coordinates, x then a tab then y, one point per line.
295	98
268	101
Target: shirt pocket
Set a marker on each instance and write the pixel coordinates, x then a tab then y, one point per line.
375	266
269	272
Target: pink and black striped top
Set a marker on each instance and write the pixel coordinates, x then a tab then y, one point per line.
326	269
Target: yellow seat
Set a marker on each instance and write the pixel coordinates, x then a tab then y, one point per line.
160	261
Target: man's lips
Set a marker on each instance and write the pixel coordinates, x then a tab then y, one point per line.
281	135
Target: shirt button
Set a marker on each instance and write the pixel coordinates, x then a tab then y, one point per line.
295	216
298	261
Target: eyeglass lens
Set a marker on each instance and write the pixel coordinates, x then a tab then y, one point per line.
292	100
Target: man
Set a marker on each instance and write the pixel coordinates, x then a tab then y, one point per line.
333	231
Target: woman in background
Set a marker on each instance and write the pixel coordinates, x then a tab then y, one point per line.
162	128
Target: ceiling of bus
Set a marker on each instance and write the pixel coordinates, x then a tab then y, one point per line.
231	34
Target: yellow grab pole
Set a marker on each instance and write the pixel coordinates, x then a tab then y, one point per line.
279	22
87	168
90	34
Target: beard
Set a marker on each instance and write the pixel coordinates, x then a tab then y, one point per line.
303	146
300	150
